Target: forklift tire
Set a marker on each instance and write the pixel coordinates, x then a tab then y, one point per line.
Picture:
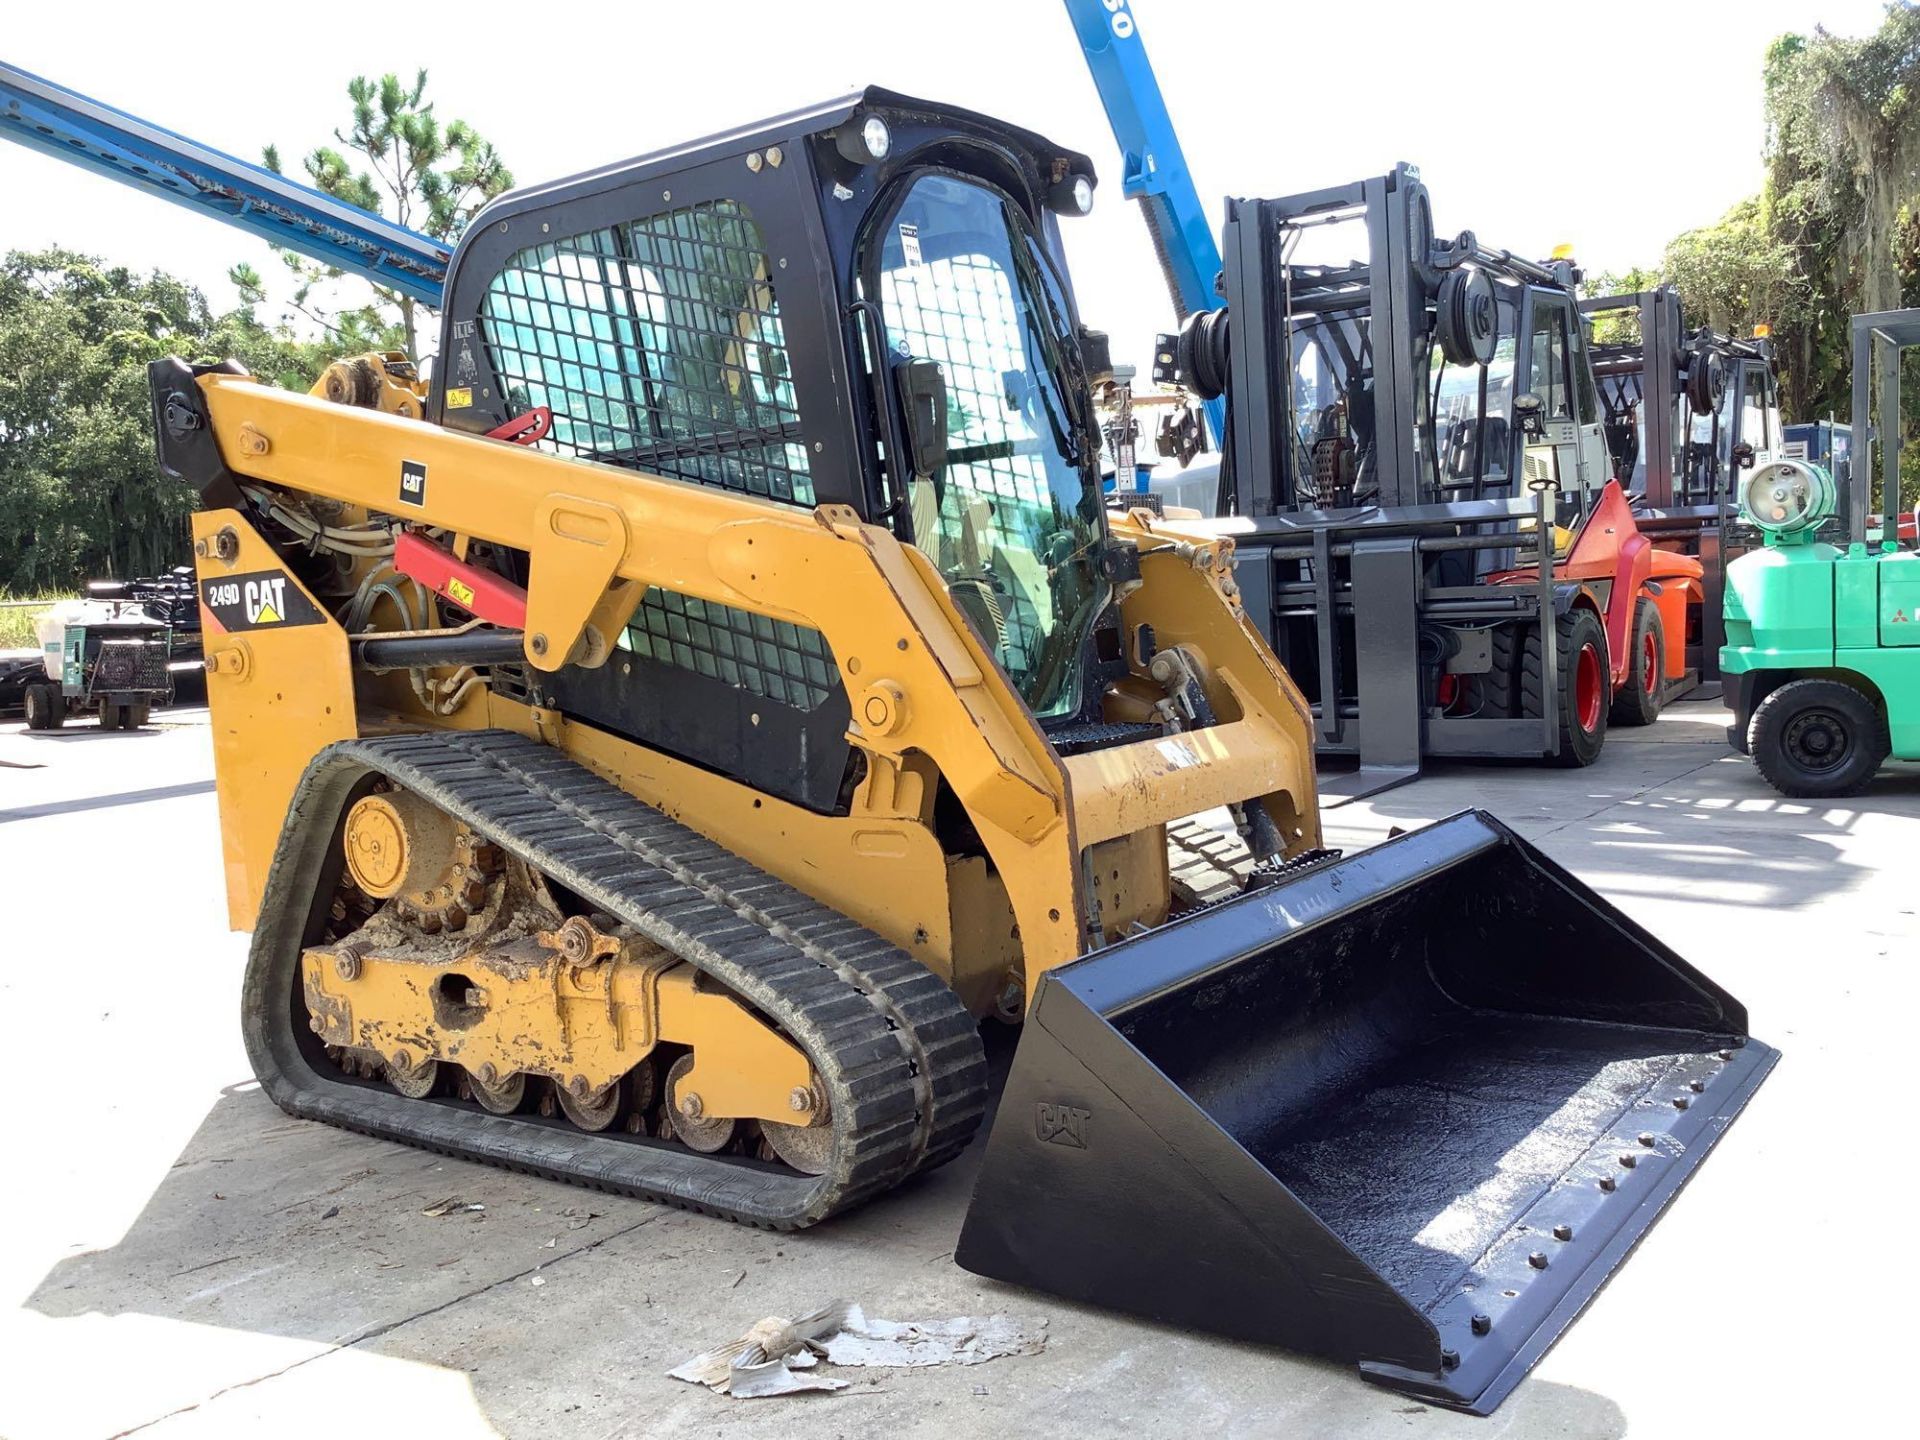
110	713
1818	739
1504	676
1638	701
134	714
42	708
1581	686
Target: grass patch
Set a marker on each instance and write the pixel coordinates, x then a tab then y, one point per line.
17	620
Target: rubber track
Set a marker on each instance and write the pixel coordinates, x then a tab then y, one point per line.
899	1056
1208	865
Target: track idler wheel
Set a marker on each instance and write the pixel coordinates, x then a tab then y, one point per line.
807	1148
404	849
694	1128
497	1094
415	1081
595	1110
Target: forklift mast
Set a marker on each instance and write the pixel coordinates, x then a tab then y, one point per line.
1880	339
1641	386
1389	381
1680	402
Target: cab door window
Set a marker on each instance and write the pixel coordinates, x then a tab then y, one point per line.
1550	349
1759	417
1012	516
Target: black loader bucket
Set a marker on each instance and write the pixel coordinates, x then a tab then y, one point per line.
1407	1110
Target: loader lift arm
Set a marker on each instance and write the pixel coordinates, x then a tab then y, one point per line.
69	126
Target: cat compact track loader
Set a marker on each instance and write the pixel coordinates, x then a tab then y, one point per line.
648	752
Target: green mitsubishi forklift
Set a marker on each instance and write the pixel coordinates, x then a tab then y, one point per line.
1822	659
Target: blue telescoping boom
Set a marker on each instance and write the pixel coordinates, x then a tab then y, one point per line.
1154	168
71	127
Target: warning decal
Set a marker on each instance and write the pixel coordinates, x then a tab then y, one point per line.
264	600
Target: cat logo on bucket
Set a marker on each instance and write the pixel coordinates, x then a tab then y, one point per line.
1061	1124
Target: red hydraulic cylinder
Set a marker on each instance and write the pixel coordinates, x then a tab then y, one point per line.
479	592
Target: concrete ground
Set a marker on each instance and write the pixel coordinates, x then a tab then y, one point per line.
180	1258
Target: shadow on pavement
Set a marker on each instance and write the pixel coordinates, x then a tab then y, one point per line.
563	1308
1716	834
107	802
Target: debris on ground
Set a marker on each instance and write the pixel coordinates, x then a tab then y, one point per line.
777	1356
747	1365
962	1340
452	1205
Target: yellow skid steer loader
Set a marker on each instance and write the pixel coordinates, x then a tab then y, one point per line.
648	752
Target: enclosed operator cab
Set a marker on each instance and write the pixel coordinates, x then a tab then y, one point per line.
675	316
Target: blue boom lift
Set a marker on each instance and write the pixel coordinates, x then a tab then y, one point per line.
69	126
1153	167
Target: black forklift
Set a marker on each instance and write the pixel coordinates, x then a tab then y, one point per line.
174	600
1401	432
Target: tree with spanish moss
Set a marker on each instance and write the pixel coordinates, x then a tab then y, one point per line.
1844	117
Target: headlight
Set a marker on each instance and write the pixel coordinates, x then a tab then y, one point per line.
865	142
1787	497
1072	196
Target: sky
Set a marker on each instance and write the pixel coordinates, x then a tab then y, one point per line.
1608	124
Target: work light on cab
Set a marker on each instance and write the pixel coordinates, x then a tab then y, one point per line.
866	143
1072	196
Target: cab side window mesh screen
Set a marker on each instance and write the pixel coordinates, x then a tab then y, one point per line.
770	658
658	346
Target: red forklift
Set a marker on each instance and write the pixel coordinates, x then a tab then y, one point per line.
1688	410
